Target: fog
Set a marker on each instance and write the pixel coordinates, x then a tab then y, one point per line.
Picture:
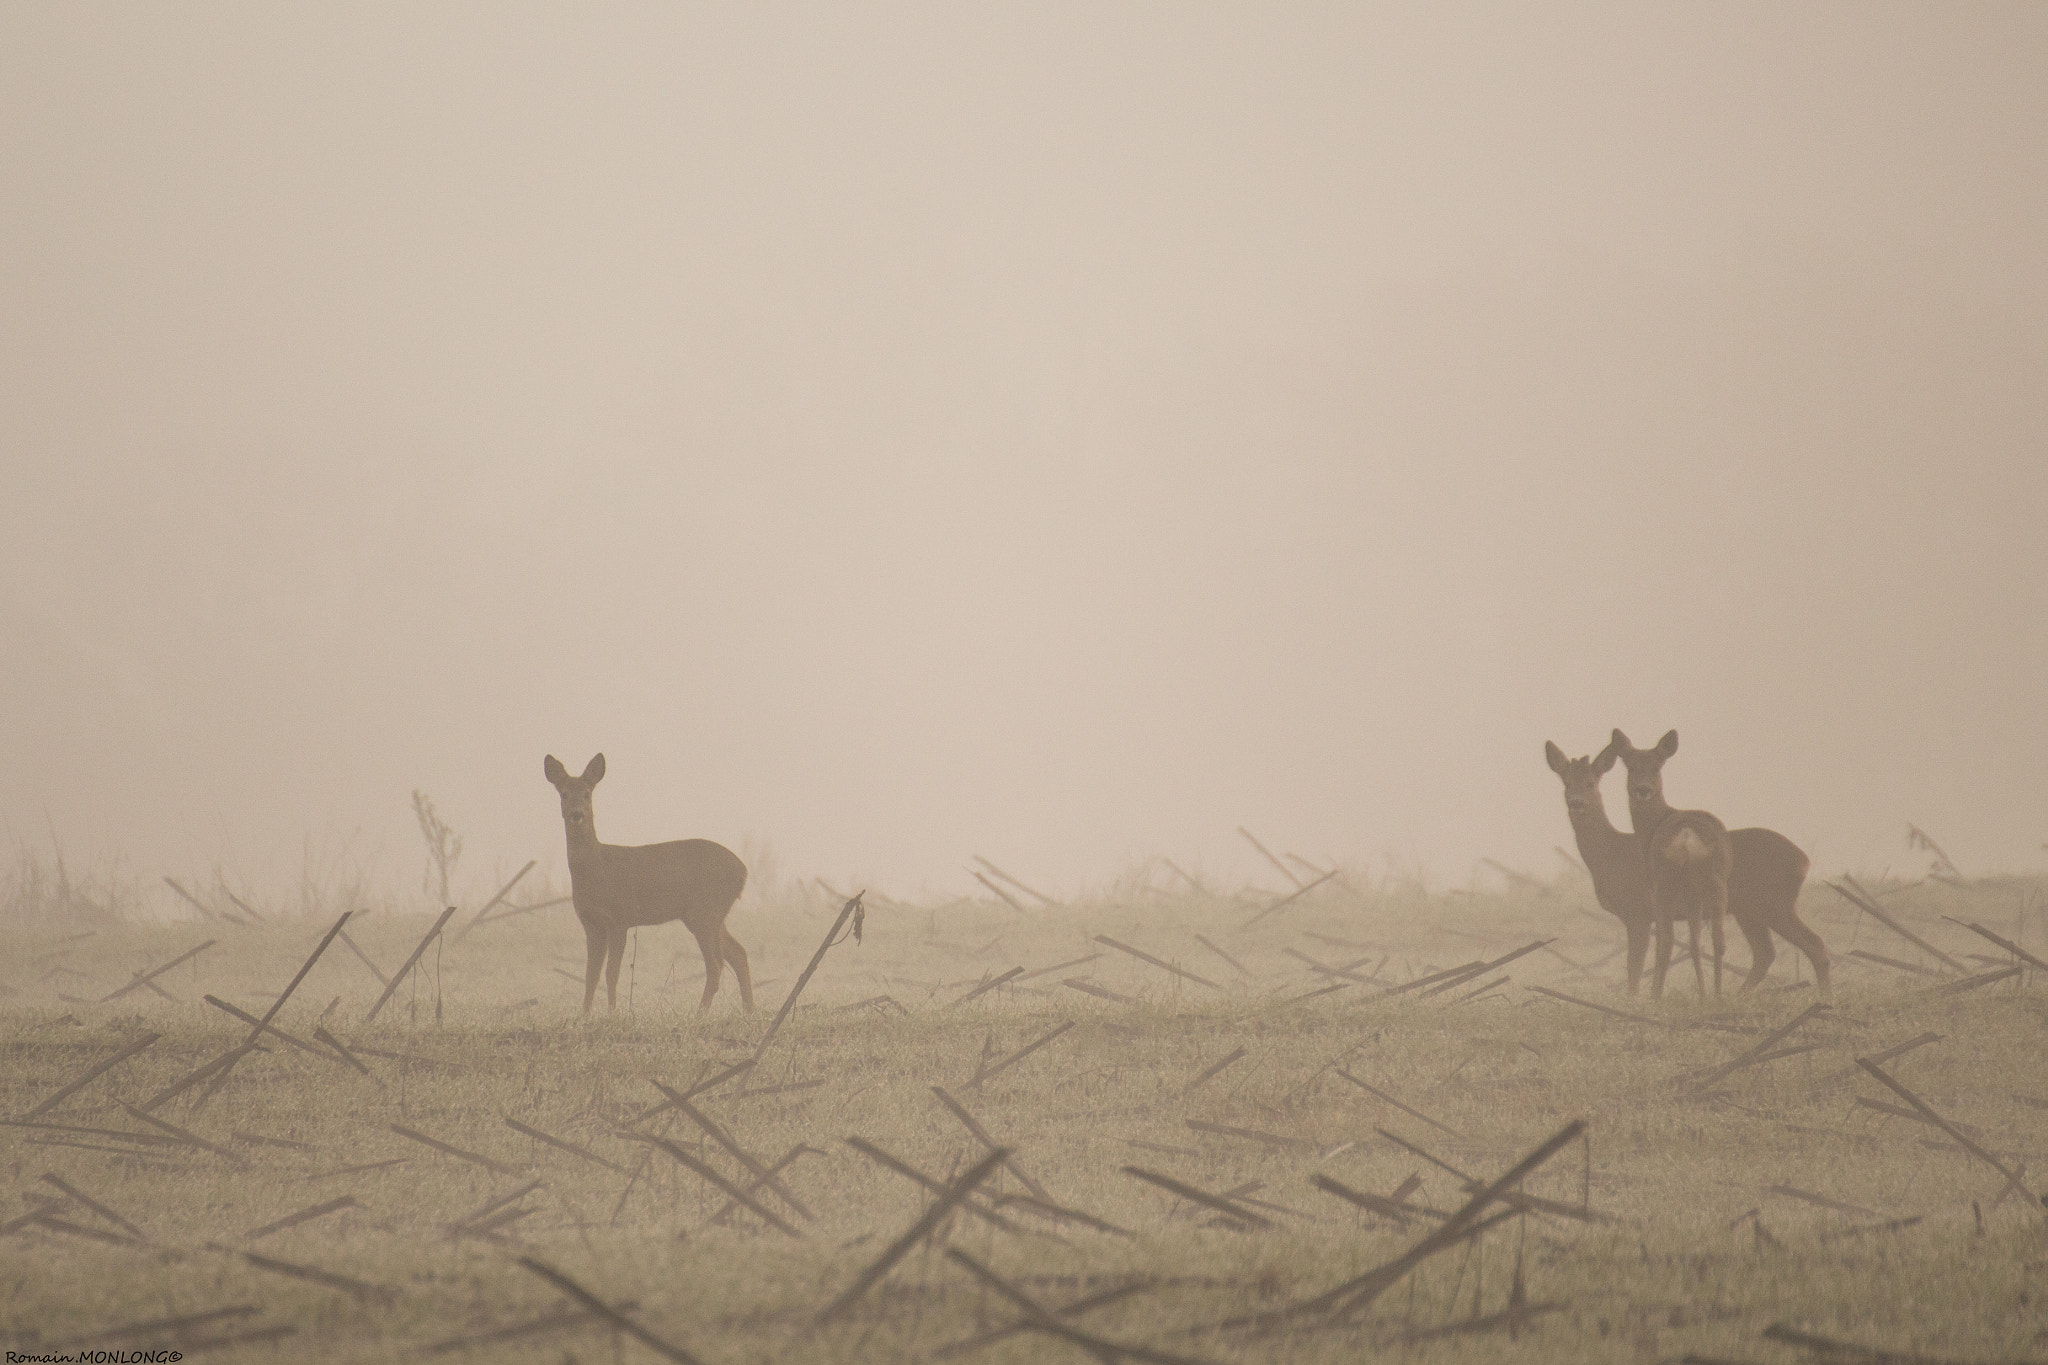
1060	434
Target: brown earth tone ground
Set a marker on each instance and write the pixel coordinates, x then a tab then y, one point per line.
1698	1211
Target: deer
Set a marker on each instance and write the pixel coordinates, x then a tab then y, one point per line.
1621	879
1763	881
616	887
1687	854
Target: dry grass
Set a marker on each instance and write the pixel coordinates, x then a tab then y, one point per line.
41	888
1679	1270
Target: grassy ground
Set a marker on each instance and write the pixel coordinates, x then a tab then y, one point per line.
1697	1248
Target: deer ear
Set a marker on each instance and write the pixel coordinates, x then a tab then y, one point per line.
556	773
1554	756
1668	745
1619	743
1604	760
593	771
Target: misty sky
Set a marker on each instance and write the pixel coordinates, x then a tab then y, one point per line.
1061	434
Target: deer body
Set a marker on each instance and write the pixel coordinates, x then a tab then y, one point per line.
1763	896
617	887
1688	854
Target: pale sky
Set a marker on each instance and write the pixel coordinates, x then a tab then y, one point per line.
1056	433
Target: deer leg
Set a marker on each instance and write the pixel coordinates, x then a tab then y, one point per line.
737	957
1720	947
593	941
1692	924
1699	959
1660	905
1638	947
615	956
712	945
1806	941
1761	952
1717	910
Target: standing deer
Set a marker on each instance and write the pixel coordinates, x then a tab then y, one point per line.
617	887
1763	883
1688	855
1621	879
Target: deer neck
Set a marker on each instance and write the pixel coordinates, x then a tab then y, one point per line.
1645	816
584	850
1612	857
1596	834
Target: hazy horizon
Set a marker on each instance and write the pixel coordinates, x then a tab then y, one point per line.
1062	435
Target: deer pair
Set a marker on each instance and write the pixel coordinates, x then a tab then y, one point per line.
1683	863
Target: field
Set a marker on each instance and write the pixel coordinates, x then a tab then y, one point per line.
1705	1212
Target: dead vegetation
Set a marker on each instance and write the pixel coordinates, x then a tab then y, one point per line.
1175	1124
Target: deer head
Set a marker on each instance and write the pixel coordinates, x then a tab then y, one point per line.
575	793
1581	775
1645	766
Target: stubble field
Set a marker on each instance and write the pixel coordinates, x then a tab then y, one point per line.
1718	1216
